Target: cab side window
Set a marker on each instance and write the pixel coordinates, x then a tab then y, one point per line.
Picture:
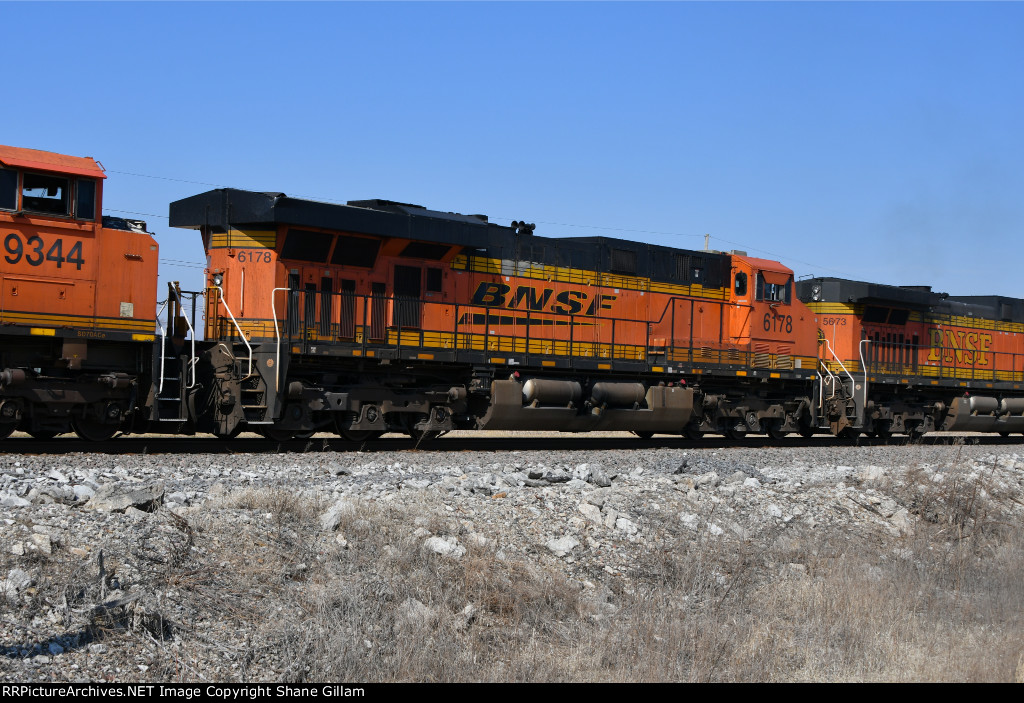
741	283
8	189
85	199
45	194
774	292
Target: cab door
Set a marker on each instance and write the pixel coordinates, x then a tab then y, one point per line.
741	303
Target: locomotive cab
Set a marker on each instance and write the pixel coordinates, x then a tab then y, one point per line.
77	299
766	320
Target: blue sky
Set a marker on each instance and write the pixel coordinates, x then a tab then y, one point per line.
876	141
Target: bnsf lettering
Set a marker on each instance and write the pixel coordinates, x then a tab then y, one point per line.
571	302
530	295
959	346
568	302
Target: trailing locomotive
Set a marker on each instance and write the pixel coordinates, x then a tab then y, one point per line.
77	300
377	316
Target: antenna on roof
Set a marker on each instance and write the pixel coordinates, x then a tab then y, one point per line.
707	240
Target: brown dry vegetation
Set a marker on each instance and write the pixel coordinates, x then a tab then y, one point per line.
264	594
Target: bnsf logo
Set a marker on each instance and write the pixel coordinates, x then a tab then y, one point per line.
568	302
959	346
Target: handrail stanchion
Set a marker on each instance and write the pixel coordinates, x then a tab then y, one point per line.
277	338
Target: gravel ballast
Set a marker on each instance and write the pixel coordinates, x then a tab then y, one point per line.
108	567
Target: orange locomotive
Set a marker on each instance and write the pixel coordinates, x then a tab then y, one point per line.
77	299
917	360
377	316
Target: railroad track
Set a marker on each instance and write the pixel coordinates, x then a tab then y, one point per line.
329	443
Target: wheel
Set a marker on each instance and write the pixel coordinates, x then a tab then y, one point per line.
735	434
6	428
692	431
360	435
275	434
883	429
230	435
42	435
849	433
776	432
93	431
422	437
806	432
643	434
1004	434
305	435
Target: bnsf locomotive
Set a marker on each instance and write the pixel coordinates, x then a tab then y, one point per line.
378	316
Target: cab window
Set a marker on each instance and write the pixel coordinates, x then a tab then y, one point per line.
8	189
85	199
45	194
741	284
776	290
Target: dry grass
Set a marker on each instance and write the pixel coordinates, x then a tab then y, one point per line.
290	602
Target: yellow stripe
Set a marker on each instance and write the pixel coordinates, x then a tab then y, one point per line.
244	239
103	323
143	337
42	332
480	264
835	308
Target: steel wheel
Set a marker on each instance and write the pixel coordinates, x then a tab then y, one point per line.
423	436
693	432
42	435
643	434
93	431
6	428
277	435
230	435
775	432
735	434
360	435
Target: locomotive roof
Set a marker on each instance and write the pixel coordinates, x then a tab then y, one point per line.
37	160
228	206
921	298
846	291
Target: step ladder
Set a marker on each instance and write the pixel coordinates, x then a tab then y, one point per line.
175	371
171	395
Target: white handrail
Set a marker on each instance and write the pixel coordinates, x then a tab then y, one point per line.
841	365
277	336
240	333
865	367
163	346
192	359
